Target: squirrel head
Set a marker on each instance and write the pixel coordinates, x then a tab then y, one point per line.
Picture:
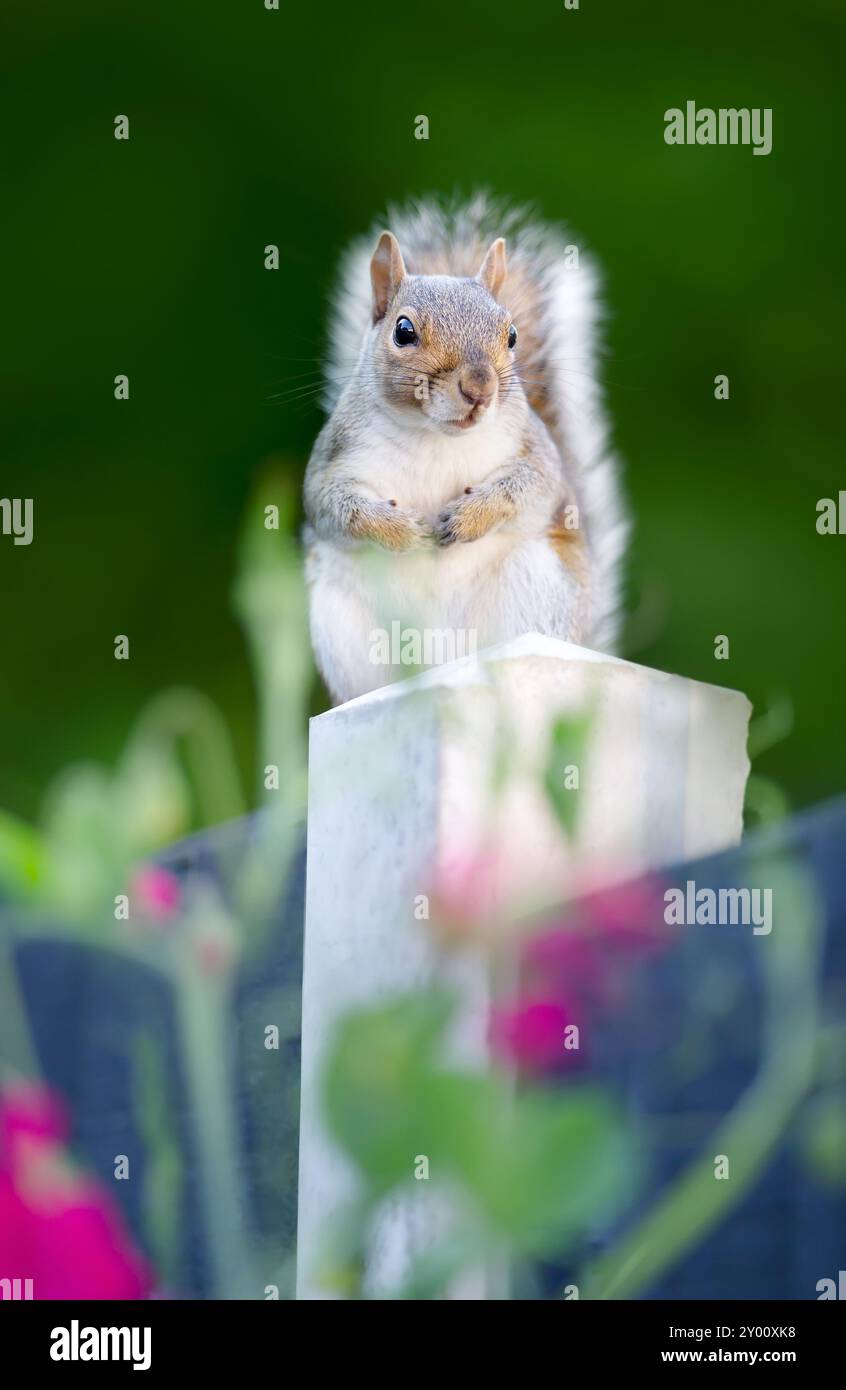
443	346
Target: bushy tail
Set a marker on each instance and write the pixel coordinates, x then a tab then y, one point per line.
552	289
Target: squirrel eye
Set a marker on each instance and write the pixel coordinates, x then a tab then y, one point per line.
512	336
404	333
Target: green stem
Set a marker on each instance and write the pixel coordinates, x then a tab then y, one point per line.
765	801
187	714
753	1128
164	1170
204	1016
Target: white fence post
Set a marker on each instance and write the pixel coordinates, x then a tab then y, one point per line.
398	784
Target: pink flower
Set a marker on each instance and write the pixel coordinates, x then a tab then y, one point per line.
629	914
465	892
58	1227
580	943
532	1034
156	892
586	954
28	1110
565	954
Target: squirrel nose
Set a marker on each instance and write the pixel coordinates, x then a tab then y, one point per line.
477	384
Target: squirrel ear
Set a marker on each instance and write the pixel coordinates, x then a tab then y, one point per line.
492	271
387	271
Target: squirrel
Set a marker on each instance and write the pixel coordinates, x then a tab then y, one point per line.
463	478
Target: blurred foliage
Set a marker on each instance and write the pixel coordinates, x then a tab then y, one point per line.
250	127
178	768
529	1170
824	1138
84	874
751	1131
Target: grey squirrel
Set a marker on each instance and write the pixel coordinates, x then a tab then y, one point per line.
465	444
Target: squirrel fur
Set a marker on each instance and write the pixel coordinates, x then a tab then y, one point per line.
463	480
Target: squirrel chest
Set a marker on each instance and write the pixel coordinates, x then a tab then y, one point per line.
422	470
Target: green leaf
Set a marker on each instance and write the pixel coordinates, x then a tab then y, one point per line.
22	857
541	1165
375	1084
87	855
151	797
562	778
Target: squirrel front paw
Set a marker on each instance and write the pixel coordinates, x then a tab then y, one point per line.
467	518
390	526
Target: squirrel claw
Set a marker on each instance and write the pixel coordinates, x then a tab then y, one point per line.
444	529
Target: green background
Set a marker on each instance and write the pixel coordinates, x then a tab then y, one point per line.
251	126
